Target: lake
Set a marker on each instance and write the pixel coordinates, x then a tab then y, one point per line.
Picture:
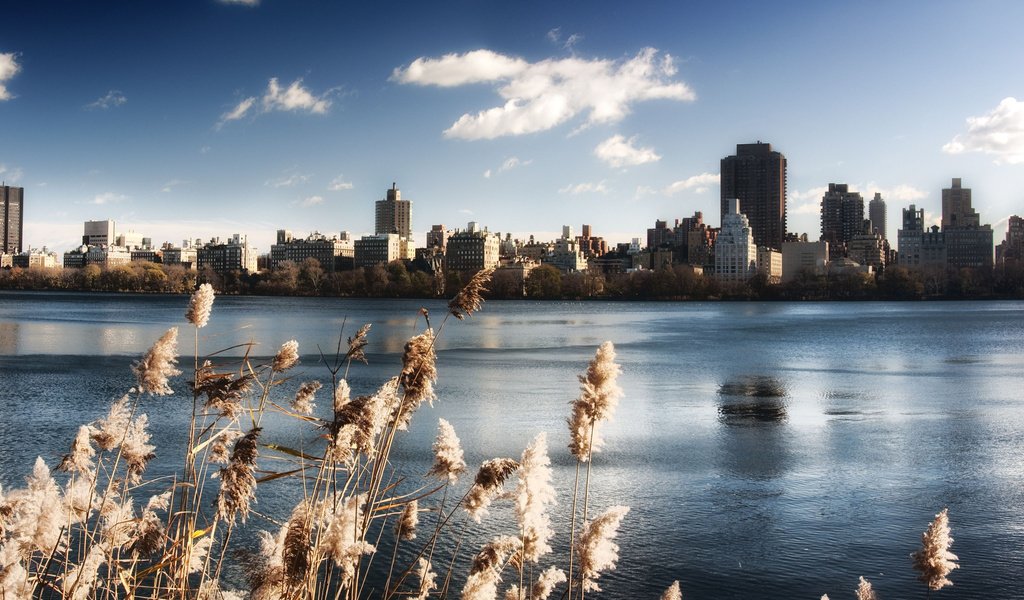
765	449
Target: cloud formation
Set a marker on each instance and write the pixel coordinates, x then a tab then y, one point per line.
338	183
10	174
617	151
108	198
294	98
113	99
287	181
510	163
999	133
542	95
697	183
584	188
9	67
311	201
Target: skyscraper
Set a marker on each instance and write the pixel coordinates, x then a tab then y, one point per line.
12	219
735	251
842	217
968	242
757	177
394	215
876	214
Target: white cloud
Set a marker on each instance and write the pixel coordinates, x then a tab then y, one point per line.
542	95
311	201
338	183
697	183
510	163
898	193
617	151
803	202
9	67
294	98
112	99
287	180
107	198
555	37
999	133
643	190
170	185
585	188
11	174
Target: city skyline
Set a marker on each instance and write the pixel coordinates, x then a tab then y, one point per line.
200	119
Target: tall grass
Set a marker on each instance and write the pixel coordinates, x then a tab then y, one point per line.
102	529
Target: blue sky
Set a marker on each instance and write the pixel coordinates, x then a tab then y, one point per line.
200	118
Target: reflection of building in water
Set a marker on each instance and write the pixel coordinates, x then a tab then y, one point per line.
8	339
752	410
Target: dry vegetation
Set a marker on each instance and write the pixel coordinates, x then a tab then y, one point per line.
100	529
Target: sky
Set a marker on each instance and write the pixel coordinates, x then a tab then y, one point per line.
201	118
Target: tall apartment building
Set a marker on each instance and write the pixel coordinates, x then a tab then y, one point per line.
472	249
968	242
756	175
908	238
735	248
1012	248
876	214
377	249
842	217
99	233
234	255
393	215
12	219
331	252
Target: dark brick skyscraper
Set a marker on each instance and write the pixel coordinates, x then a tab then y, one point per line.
757	176
12	219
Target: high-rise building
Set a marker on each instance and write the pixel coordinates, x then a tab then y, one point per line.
12	219
968	242
876	214
735	250
756	176
909	237
842	217
393	215
99	233
1012	248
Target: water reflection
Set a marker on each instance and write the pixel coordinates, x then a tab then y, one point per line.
752	399
8	338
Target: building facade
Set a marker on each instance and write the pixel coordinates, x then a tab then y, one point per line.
1012	248
876	214
968	242
380	249
735	248
98	233
234	255
909	237
393	215
804	257
842	217
12	219
472	250
756	175
329	252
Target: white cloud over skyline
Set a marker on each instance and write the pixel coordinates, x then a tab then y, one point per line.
10	174
697	183
9	67
338	184
584	188
617	151
311	201
112	99
999	133
294	98
287	180
510	163
542	95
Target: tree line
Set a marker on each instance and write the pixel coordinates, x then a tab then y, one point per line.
413	280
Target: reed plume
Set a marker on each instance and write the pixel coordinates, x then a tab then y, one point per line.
864	591
599	395
358	423
448	461
287	357
427	578
79	459
674	593
597	550
485	573
157	365
534	493
109	430
488	483
238	481
220	453
542	588
80	580
934	561
405	529
200	306
136	449
342	539
419	372
470	299
357	344
224	391
148	536
303	402
295	553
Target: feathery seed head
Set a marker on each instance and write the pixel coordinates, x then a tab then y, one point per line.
303	402
673	592
487	486
448	461
547	581
220	452
864	591
157	365
238	480
357	344
136	449
287	357
79	459
224	391
342	396
108	432
405	529
599	395
534	493
934	561
200	305
469	299
427	579
342	539
419	371
597	550
297	545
